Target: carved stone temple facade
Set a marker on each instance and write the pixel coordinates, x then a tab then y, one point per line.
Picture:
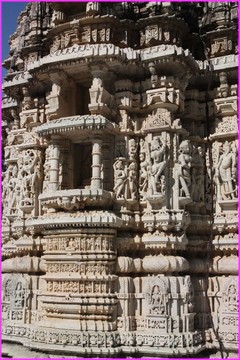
120	190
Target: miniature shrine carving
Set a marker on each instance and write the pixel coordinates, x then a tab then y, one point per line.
120	185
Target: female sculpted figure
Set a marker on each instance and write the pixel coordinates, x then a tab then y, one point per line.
226	172
158	162
120	179
143	174
132	177
157	301
184	160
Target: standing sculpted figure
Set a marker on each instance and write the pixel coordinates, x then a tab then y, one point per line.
132	178
132	149
143	174
184	161
157	301
226	174
158	156
143	170
120	179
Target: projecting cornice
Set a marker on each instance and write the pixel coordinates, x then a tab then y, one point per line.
73	123
111	52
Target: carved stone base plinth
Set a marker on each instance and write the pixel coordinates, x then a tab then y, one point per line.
105	343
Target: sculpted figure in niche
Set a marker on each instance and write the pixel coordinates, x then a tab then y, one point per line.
184	161
226	174
158	156
7	291
13	190
143	175
120	179
132	178
132	149
28	175
157	305
46	169
19	296
230	298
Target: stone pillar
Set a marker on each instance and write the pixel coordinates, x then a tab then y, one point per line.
96	181
54	165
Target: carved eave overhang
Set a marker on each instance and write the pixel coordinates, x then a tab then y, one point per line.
226	242
171	55
220	63
226	222
75	198
8	102
61	220
86	53
75	126
16	80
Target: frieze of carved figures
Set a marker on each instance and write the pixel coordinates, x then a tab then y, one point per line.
226	171
82	243
23	180
80	286
184	168
198	174
157	296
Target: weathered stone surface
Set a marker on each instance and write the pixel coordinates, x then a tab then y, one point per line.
120	186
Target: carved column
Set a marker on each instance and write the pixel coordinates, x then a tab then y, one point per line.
54	165
96	181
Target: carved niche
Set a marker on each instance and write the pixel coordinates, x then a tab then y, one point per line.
183	169
157	297
230	297
228	312
15	291
226	170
